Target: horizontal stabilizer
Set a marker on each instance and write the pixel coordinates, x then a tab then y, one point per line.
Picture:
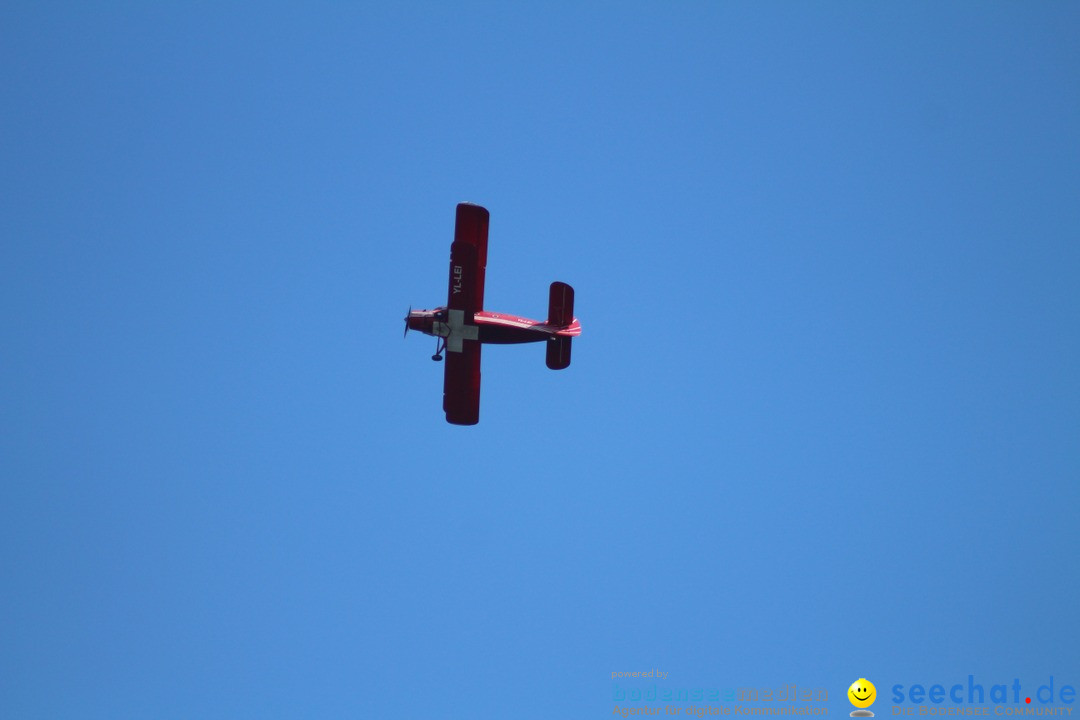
558	353
561	306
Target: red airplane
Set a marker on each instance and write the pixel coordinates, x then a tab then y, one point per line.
462	325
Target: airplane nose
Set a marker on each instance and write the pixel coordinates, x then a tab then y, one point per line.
418	320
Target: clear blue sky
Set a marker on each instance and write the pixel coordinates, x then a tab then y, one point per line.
823	422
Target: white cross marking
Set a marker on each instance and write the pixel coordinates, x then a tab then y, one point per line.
455	331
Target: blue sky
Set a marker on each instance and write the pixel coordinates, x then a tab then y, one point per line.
822	422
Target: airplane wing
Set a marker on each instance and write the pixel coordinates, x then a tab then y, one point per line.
468	259
461	292
461	384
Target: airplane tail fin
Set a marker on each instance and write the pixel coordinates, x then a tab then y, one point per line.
560	314
558	353
560	304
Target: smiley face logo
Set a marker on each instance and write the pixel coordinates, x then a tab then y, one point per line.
862	693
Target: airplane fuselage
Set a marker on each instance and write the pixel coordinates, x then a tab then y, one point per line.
487	327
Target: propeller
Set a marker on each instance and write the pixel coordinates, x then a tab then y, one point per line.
407	321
